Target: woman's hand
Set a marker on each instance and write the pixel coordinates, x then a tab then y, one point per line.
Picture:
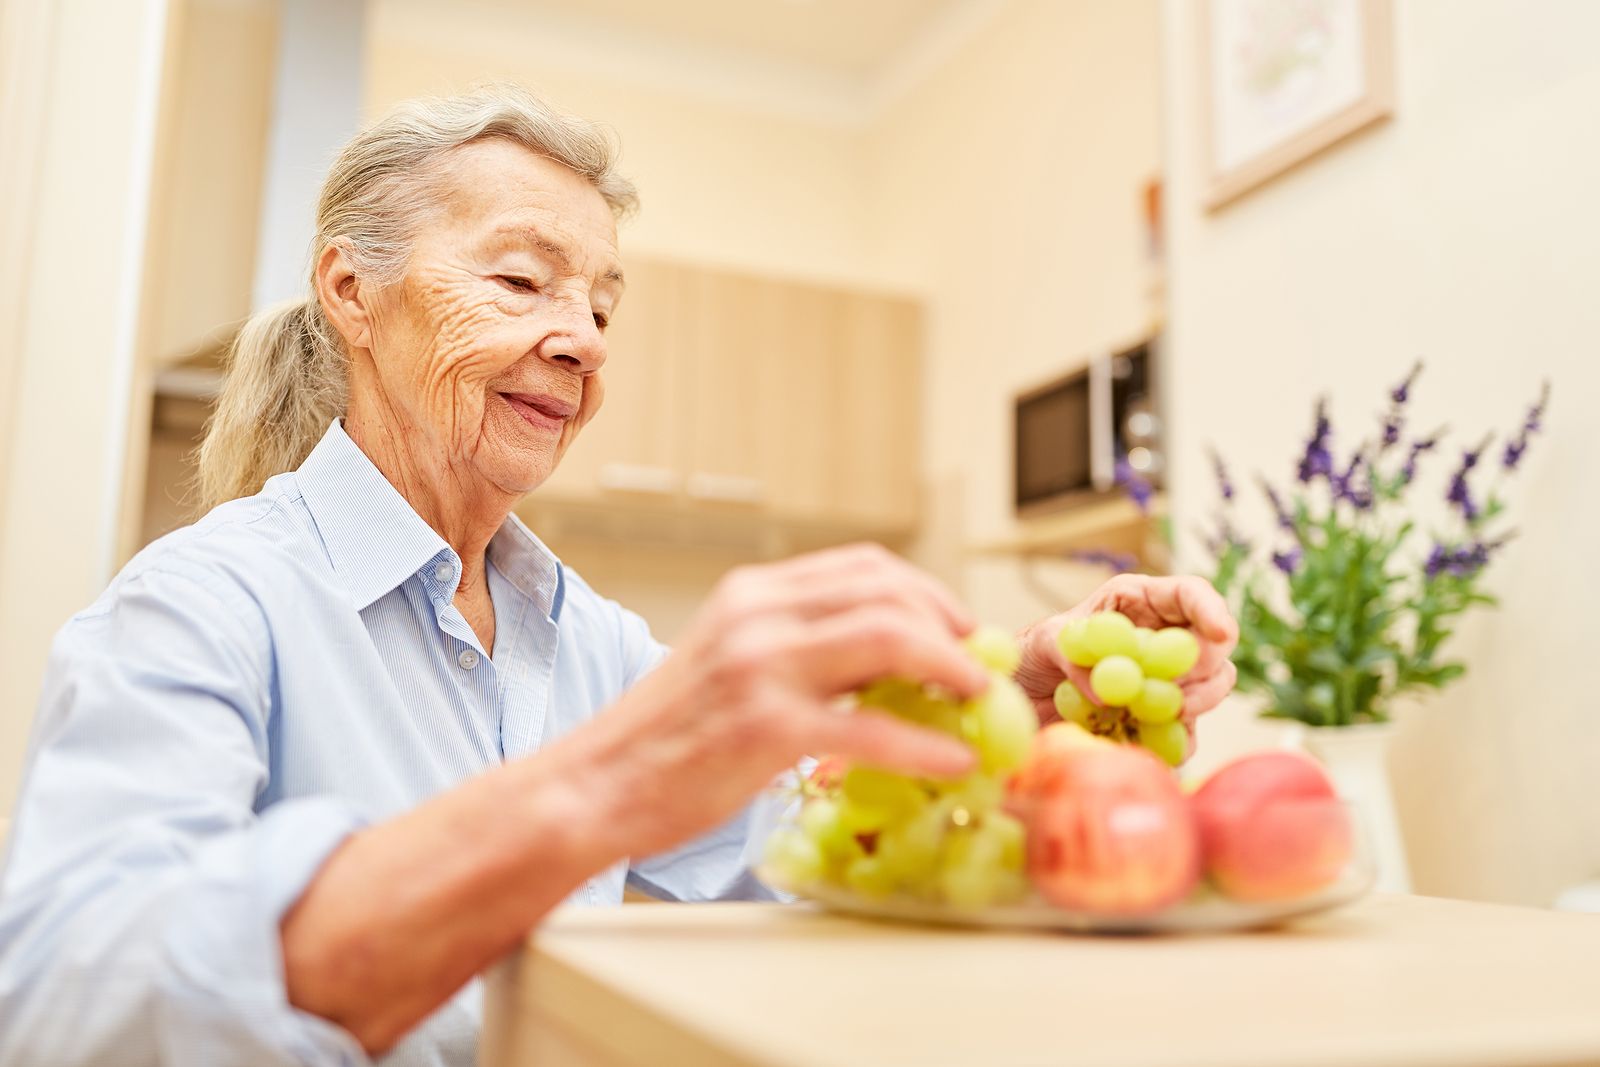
754	686
1154	602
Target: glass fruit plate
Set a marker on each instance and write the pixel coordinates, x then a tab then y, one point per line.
1204	911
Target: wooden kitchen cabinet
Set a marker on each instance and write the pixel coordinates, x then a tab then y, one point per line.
635	445
731	393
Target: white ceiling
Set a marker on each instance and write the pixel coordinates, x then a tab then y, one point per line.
834	61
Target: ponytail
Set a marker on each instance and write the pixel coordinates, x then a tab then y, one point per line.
286	380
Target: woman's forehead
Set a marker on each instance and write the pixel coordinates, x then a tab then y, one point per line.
501	190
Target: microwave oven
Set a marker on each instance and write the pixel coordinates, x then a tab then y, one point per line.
1072	432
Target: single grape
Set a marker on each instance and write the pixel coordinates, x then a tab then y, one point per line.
969	874
1159	702
1004	721
1169	740
1142	634
899	696
861	819
976	793
822	820
1073	641
995	649
1110	633
910	851
1171	653
1116	680
942	715
1008	832
1071	704
894	795
795	858
869	876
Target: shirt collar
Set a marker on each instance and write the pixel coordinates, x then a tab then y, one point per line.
376	540
524	561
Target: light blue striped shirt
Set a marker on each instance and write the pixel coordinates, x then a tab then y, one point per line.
248	691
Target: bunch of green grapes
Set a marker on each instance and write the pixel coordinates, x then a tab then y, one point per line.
879	834
1133	673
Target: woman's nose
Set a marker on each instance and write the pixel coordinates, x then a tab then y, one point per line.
577	343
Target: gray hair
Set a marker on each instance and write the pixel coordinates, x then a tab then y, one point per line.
287	374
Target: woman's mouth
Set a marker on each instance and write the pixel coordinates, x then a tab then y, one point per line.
538	410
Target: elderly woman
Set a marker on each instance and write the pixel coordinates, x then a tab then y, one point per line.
312	763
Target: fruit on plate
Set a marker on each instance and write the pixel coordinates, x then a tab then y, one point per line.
1108	830
877	833
1271	827
1132	677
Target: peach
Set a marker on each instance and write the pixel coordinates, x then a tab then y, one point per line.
1271	827
1108	829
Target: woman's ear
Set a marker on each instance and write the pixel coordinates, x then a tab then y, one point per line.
344	299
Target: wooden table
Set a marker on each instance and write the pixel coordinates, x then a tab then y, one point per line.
1389	982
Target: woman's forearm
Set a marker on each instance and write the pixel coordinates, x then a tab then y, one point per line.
406	912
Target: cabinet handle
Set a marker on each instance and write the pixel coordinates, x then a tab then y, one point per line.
637	478
727	488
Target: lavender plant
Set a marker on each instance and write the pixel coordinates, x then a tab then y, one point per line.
1347	605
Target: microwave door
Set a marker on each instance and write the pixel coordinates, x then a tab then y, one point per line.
1102	432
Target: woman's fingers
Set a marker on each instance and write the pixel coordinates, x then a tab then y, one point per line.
838	579
850	649
1178	601
1207	691
881	740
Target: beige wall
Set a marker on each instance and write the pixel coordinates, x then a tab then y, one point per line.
77	342
1464	231
1007	188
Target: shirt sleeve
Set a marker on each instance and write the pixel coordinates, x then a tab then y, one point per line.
716	865
142	894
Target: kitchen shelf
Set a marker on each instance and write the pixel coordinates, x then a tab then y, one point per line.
1115	524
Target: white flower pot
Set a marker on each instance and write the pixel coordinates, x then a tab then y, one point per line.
1357	759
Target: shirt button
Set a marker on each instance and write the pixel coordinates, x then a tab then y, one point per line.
468	659
442	572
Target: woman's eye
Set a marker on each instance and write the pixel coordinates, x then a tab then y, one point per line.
600	321
520	285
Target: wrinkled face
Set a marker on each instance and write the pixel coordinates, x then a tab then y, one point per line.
490	346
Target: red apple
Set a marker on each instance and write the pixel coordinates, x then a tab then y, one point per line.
1271	827
1109	831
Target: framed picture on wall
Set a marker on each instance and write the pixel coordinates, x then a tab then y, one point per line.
1283	80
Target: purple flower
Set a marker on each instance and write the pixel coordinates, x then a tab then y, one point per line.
1402	392
1461	561
1409	471
1288	561
1225	539
1530	425
1317	460
1391	430
1285	519
1118	562
1460	493
1224	484
1140	491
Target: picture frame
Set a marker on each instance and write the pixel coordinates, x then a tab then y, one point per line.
1284	80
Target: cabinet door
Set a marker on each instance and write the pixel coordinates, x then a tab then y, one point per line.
633	446
733	333
875	445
